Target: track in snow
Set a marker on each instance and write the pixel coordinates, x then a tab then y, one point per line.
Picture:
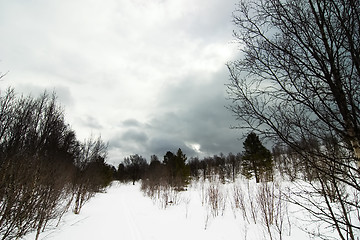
127	214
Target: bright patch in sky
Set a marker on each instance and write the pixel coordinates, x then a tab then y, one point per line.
196	147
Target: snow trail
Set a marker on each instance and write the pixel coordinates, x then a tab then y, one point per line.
130	219
123	212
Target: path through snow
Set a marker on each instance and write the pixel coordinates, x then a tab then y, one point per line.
124	213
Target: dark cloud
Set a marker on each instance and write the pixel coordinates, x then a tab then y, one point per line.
132	141
147	87
160	145
131	123
198	116
134	136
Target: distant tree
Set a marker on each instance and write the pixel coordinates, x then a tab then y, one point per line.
156	169
156	175
135	166
178	170
170	164
121	173
233	165
169	159
154	158
101	172
194	165
219	166
205	167
183	170
257	160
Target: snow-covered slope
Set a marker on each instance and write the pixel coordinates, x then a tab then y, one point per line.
123	212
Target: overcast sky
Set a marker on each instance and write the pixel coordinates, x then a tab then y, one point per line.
148	75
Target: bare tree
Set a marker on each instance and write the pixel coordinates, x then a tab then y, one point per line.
299	81
88	179
135	166
39	159
233	165
36	152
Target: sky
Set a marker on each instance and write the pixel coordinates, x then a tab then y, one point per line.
147	75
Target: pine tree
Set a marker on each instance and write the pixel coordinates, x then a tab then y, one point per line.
178	170
183	170
257	160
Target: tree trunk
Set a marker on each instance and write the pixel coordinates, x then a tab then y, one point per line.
77	203
356	147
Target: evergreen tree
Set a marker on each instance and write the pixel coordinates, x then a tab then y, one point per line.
176	165
170	164
257	160
182	169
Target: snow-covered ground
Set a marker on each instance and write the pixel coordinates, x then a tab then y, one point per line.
123	212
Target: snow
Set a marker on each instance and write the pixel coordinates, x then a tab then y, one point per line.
123	212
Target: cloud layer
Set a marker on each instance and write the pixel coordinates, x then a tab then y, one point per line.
147	75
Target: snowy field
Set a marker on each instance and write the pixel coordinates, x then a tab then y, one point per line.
123	212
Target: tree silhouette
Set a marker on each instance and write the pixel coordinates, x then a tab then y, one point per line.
256	159
299	81
135	166
178	170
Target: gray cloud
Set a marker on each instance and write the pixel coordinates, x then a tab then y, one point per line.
131	123
134	136
147	86
132	141
63	93
198	116
215	29
160	145
91	122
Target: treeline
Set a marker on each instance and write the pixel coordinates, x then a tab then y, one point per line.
176	170
256	161
173	169
44	169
